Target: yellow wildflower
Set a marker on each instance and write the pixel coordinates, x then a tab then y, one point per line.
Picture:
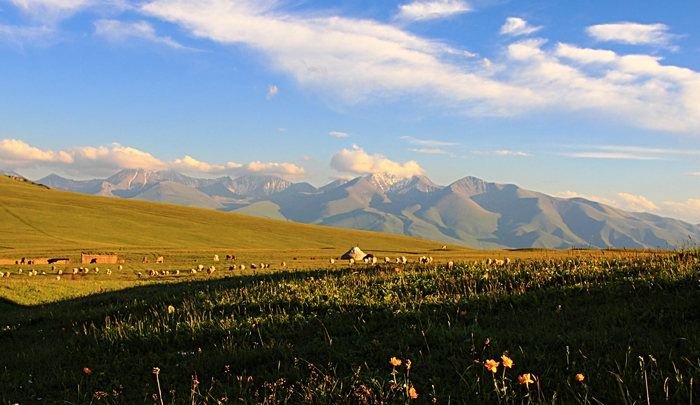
395	362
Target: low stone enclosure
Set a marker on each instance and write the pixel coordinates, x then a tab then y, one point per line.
94	258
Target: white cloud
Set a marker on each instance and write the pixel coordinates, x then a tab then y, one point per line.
689	210
505	152
20	35
694	174
360	162
430	10
602	200
118	31
515	26
426	142
102	160
609	155
51	11
359	59
273	90
352	58
631	33
431	151
636	203
338	134
623	201
19	153
635	87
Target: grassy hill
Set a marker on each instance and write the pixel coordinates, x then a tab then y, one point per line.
37	218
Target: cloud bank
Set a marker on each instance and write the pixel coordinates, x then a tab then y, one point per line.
102	160
359	162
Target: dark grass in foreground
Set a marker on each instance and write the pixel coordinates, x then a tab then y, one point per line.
629	325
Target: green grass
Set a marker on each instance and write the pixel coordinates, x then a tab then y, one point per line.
628	323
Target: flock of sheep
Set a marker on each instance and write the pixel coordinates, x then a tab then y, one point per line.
368	259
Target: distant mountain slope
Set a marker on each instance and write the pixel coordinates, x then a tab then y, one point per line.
470	212
171	192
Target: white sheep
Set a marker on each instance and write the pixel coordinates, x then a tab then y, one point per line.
450	264
387	260
351	261
241	267
332	261
283	265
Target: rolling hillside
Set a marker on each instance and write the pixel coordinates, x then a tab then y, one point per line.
34	217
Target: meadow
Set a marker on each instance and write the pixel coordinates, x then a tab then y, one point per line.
609	327
555	327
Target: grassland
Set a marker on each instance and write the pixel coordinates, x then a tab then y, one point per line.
625	322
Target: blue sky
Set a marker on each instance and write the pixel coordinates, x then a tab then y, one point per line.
596	99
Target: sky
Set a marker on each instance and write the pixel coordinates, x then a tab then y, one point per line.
593	99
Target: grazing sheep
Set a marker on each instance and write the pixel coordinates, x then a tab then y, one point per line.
193	271
145	260
200	267
507	261
19	271
153	273
97	270
489	262
253	266
283	265
159	259
374	260
109	272
216	258
231	267
267	265
403	260
177	272
332	261
60	272
444	247
351	261
398	260
499	262
75	271
120	267
241	267
58	278
139	275
262	265
450	264
86	270
387	260
211	270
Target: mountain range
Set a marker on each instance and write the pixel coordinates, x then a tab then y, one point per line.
469	212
